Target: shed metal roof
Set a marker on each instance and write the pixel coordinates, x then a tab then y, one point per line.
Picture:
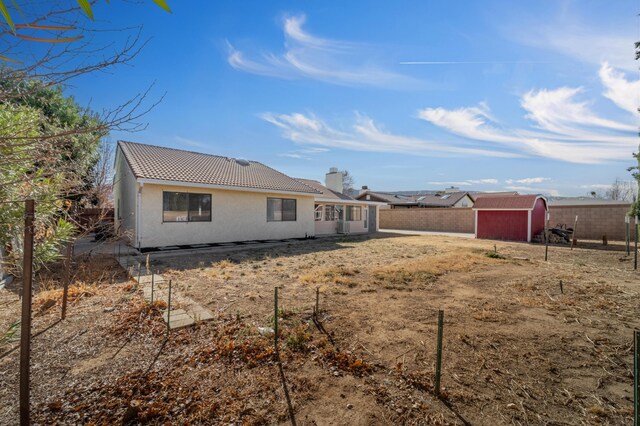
507	202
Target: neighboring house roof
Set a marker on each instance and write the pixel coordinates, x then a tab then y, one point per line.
174	165
388	198
504	202
440	200
477	195
427	200
326	192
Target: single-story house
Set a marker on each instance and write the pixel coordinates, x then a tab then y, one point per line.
510	218
170	197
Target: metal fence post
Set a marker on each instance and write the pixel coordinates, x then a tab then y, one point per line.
169	309
275	318
635	245
636	370
627	238
25	324
439	351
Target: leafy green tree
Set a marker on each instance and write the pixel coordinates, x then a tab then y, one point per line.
20	180
49	145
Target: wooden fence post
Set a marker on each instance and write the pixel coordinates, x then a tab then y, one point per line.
25	324
573	234
546	239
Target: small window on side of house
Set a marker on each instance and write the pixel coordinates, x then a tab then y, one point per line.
281	210
317	214
329	213
354	213
186	207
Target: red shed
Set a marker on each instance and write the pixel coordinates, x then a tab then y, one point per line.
510	217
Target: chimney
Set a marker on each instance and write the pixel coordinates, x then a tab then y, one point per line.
364	189
451	190
333	180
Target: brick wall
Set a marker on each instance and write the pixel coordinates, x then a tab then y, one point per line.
443	220
593	221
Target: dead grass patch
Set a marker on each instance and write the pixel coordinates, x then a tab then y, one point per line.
223	264
139	318
336	275
47	299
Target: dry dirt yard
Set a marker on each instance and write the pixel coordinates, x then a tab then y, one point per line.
517	350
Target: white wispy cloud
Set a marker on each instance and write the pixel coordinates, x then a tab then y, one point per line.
583	41
622	92
365	135
456	183
304	153
563	127
467	182
190	142
596	186
295	155
560	112
527	181
529	189
308	56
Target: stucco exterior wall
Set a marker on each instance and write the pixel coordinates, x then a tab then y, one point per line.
323	227
235	216
124	198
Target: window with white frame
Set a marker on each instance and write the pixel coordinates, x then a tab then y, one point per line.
330	214
354	213
281	210
317	214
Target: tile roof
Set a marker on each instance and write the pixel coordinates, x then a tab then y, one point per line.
425	200
477	195
439	200
326	192
388	197
507	202
169	164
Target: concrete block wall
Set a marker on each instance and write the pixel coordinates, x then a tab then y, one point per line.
594	221
437	219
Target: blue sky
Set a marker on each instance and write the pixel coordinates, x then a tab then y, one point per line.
536	96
